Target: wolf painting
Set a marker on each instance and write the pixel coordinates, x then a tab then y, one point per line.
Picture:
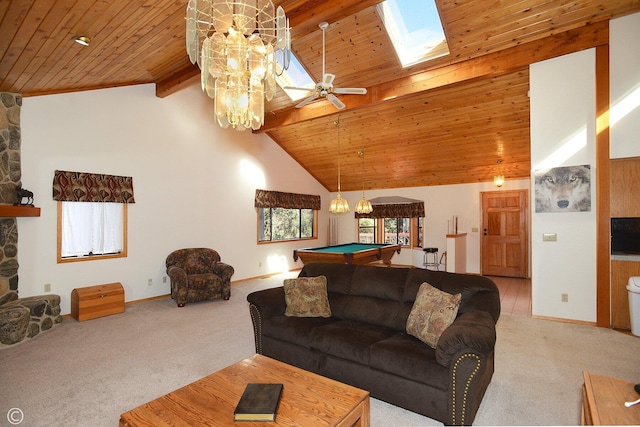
563	189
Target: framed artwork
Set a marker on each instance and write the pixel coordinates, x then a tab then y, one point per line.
563	189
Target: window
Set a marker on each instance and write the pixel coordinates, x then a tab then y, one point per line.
286	216
295	76
395	220
415	30
91	230
367	228
281	224
92	215
397	231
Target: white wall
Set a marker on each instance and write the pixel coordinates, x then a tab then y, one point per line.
624	55
441	203
190	177
563	134
194	185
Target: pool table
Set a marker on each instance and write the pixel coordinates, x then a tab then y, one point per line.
349	253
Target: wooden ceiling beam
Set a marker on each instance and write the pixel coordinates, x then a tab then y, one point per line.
305	16
183	78
491	65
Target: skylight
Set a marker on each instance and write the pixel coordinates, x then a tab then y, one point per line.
415	29
295	76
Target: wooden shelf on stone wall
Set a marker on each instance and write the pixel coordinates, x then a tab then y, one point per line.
16	211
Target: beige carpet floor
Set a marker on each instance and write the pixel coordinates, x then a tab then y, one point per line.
88	373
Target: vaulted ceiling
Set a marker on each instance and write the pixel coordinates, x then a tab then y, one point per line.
446	121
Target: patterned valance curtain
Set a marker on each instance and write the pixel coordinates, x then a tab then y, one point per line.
278	199
91	187
402	210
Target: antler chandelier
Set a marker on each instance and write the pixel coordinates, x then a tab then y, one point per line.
239	46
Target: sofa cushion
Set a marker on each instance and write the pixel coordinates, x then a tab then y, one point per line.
408	357
338	275
307	297
432	313
296	330
383	283
376	311
478	292
349	340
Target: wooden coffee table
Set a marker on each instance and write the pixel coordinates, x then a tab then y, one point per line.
603	401
307	399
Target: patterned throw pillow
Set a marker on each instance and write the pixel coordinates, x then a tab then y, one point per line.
433	311
307	297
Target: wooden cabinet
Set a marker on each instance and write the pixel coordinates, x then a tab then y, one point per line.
625	187
625	202
97	301
620	273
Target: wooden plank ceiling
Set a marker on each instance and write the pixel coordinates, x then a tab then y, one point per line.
446	121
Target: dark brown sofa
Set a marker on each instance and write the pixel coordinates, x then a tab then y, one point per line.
364	343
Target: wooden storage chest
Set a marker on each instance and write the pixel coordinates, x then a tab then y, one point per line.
97	301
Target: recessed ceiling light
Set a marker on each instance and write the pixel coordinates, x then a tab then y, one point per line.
83	40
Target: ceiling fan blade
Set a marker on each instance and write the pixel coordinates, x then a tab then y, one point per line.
307	100
351	90
327	79
335	101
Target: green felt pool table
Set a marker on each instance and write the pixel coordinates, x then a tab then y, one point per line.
349	253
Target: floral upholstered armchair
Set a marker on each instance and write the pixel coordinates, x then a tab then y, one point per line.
197	274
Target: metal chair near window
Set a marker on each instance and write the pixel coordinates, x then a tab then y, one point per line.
431	258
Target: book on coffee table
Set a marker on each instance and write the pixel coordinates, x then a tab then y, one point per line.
259	402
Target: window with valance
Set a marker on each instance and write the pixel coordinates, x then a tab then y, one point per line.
286	216
92	215
91	187
279	199
393	222
395	210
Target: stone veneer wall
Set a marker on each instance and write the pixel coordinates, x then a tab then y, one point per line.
10	176
20	318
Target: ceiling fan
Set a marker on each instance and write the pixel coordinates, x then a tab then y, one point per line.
325	89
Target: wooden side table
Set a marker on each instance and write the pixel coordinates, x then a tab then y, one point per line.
603	401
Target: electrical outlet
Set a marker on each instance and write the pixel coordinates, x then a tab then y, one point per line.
564	297
260	264
150	282
47	287
549	237
164	279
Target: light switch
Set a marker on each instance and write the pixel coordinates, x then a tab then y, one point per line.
549	237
